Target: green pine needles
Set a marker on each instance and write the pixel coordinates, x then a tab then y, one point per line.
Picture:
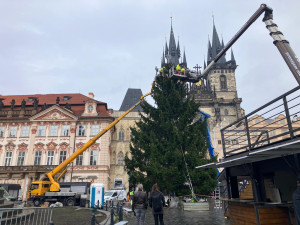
160	138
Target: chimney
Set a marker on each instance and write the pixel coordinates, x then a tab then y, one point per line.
91	95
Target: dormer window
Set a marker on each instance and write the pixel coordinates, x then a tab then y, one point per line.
31	99
66	98
90	108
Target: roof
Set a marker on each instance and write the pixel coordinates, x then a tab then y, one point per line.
49	99
76	101
132	96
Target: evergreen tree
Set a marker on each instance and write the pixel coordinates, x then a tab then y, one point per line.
162	136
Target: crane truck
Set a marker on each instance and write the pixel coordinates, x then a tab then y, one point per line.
49	190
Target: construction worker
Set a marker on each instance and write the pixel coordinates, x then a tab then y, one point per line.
178	69
161	70
131	196
182	71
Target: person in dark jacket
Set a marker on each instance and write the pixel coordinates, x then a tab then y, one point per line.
157	203
139	204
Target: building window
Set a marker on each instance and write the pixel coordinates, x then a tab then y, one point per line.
25	131
1	131
120	158
42	131
223	82
79	160
37	158
13	132
121	135
257	121
272	133
21	158
219	142
8	157
53	130
62	156
95	130
65	130
118	183
93	157
50	157
226	112
282	121
81	130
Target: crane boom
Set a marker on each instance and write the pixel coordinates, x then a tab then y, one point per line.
61	167
279	41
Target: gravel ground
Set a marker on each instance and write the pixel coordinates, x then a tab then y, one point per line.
75	216
215	216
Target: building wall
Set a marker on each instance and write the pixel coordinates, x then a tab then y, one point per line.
120	146
24	173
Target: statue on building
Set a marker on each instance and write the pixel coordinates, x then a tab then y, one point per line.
35	103
44	106
68	106
23	104
1	103
13	102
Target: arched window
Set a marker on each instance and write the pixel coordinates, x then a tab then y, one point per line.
121	135
120	158
223	82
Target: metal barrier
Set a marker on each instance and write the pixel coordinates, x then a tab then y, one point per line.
115	211
273	122
25	216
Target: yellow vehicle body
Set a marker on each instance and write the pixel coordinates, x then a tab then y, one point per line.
39	188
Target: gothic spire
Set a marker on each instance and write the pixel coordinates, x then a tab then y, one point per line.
204	64
232	56
209	51
184	59
166	49
163	62
216	45
178	48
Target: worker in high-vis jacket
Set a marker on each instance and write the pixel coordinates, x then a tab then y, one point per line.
182	71
178	69
131	196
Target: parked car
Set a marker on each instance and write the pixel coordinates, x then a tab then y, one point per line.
115	195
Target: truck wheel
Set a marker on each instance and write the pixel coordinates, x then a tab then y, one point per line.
37	202
70	201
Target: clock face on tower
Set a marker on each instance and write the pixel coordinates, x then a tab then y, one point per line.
90	108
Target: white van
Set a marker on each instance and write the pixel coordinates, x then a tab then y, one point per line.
115	195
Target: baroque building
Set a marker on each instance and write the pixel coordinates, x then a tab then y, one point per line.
217	93
38	132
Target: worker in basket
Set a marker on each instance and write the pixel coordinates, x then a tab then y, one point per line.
178	69
182	71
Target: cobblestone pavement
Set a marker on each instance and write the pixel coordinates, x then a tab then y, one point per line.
215	216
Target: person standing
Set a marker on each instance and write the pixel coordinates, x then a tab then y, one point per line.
139	204
157	203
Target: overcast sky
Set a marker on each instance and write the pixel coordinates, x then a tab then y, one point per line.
108	46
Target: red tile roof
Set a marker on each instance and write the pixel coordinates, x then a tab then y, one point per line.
77	102
49	99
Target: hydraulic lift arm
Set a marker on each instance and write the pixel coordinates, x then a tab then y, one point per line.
62	167
279	41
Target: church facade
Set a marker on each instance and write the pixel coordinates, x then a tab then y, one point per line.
217	93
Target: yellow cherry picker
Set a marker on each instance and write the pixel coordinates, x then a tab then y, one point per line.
49	190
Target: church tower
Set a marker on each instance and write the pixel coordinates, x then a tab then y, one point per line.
217	93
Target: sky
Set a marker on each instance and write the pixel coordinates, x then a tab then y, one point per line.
106	47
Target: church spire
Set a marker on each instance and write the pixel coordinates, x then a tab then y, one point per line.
204	64
163	62
178	48
232	56
184	59
216	45
209	52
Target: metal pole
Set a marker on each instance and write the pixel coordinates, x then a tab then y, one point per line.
121	214
112	216
93	220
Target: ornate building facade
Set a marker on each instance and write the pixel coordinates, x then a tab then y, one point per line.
38	132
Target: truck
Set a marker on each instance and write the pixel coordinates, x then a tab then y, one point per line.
49	190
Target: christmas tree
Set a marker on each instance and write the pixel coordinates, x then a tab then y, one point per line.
168	143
